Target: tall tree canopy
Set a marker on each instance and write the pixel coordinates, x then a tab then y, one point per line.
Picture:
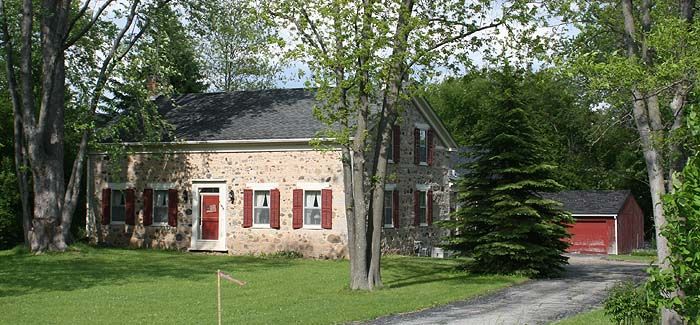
594	147
503	222
370	53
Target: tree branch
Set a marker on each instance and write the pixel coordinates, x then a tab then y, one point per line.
70	41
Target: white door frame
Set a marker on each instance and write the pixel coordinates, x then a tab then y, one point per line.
208	245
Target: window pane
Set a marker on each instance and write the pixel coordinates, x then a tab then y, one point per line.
421	215
160	214
421	199
161	199
312	199
262	198
312	216
261	216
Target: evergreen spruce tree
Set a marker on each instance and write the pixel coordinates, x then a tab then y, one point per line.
503	223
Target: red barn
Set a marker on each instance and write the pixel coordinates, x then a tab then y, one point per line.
607	222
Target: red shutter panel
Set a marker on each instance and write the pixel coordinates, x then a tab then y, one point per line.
429	206
416	146
129	208
147	207
275	208
431	147
172	207
396	138
395	208
106	205
247	208
327	208
416	208
298	209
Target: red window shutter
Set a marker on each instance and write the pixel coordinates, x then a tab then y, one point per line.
298	208
275	208
147	207
416	146
129	208
172	207
395	208
431	147
396	138
327	208
429	206
247	208
106	205
416	208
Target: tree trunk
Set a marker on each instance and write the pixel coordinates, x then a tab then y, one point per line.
20	152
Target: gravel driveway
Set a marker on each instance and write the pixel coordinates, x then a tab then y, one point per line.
535	302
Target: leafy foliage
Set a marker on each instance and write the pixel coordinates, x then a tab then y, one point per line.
678	287
593	147
628	304
503	223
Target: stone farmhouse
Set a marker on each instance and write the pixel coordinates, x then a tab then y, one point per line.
241	177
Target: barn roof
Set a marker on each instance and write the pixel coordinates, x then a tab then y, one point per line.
591	201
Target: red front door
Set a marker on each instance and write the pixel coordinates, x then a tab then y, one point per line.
210	217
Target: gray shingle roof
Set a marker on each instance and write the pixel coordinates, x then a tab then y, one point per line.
242	115
590	201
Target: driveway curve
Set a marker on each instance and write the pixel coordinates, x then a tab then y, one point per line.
535	302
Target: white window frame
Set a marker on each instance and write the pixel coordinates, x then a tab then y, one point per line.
423	128
160	187
316	187
260	187
117	187
423	188
269	210
389	188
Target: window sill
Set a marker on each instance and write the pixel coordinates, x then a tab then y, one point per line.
263	226
389	161
423	224
388	226
422	164
312	227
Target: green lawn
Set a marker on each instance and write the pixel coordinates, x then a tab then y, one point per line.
594	317
114	286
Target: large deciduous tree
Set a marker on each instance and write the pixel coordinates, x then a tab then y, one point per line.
37	47
643	55
364	57
235	45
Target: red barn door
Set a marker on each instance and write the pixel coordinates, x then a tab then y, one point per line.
591	236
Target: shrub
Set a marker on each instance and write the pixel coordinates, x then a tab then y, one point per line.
628	304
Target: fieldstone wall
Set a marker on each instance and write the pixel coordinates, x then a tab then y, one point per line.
407	175
237	169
